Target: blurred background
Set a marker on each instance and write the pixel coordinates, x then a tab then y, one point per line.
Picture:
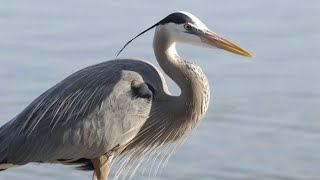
263	120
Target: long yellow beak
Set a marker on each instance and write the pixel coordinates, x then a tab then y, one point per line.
217	41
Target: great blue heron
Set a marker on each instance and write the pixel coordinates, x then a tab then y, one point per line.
116	107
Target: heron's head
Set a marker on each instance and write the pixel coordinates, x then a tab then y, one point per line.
186	28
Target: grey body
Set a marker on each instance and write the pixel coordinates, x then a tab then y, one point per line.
93	111
84	116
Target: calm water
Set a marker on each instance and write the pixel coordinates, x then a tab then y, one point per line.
264	119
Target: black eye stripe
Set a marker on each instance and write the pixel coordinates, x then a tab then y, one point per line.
177	18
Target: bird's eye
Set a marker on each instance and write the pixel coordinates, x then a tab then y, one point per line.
187	26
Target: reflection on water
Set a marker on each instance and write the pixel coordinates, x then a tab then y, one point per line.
263	121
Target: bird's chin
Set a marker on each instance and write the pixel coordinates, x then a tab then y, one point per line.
201	43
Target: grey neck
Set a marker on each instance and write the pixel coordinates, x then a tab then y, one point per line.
173	117
193	102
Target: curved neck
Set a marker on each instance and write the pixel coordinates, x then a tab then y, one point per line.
173	117
194	99
171	63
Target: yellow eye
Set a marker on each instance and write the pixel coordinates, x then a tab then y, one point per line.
187	26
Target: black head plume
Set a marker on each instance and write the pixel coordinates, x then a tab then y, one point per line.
177	18
136	37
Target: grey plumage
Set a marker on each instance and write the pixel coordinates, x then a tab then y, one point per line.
121	106
72	119
69	117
